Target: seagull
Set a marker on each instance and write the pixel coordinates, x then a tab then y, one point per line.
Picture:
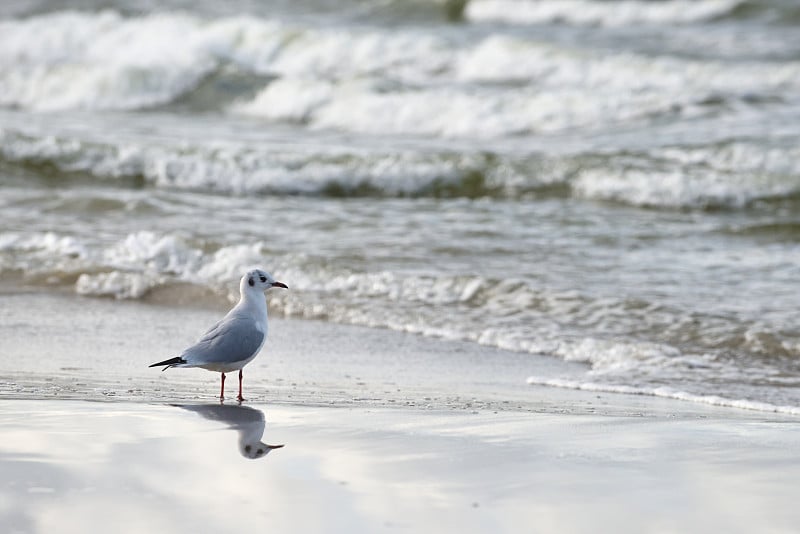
237	338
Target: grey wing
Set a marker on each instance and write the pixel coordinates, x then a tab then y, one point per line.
213	331
231	340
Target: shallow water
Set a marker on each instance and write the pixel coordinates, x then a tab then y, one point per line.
612	183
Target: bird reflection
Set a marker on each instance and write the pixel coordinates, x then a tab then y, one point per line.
248	422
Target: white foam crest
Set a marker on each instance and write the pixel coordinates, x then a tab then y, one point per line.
227	265
580	87
664	392
68	60
614	356
392	286
499	58
466	293
127	268
411	304
163	257
364	107
246	171
326	76
736	157
117	284
144	260
502	58
334	54
678	185
597	13
563	89
47	243
75	60
238	169
279	49
15	147
293	100
153	252
141	261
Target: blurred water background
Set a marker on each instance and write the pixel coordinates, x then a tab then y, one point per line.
613	182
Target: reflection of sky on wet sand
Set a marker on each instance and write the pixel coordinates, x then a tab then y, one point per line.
76	467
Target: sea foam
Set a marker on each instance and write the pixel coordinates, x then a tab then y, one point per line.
73	60
729	175
665	392
598	13
362	79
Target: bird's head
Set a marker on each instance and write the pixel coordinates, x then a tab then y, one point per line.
259	280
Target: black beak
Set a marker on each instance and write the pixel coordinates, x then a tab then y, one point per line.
280	284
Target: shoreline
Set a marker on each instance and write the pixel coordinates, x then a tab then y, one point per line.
72	347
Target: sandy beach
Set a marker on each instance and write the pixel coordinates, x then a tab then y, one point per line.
541	256
380	432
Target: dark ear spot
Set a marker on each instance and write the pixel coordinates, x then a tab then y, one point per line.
247	448
251	281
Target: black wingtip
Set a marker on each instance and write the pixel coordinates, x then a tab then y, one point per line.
169	363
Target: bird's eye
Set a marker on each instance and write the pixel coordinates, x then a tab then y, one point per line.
263	278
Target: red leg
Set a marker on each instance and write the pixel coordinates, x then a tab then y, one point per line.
240	398
222	387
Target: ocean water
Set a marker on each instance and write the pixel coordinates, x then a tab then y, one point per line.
610	182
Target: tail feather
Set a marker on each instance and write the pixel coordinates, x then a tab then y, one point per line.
172	362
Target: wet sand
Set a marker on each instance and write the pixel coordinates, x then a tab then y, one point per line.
382	431
72	466
61	346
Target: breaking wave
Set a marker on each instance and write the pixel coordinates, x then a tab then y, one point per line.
724	175
600	13
363	79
